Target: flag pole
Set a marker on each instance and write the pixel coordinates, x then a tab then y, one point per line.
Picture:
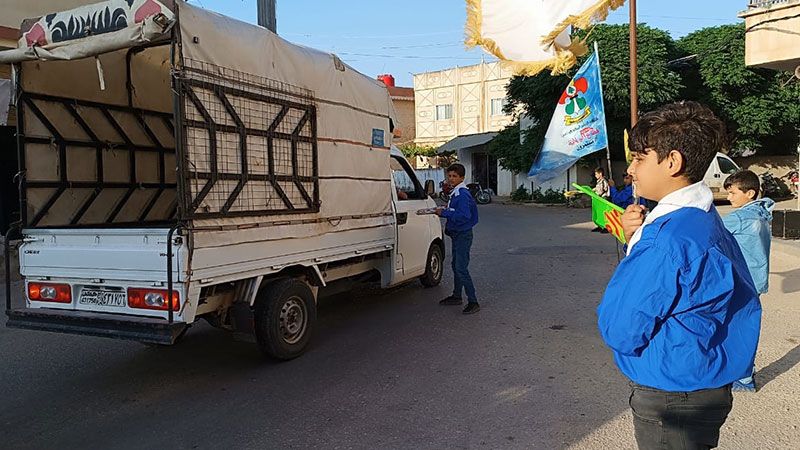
600	81
634	66
634	69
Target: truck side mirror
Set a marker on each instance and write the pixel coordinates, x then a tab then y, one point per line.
430	188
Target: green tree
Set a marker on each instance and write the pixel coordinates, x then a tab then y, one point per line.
537	95
759	107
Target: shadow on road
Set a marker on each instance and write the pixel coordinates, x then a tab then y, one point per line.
778	368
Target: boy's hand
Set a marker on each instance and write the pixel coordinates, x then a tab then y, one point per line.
439	211
632	219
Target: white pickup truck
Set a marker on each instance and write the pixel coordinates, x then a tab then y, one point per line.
178	164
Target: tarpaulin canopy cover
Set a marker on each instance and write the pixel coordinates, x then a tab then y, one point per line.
263	126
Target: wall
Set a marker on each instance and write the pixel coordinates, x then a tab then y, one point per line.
405	120
470	90
772	40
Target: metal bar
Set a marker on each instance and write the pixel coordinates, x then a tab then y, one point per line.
266	15
73	143
89	104
50	202
219	92
22	163
315	157
250	131
634	65
99	185
120	205
150	205
12	230
250	95
210	125
42	118
202	194
86	205
170	235
252	176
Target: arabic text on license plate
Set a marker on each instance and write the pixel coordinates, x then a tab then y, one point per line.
103	298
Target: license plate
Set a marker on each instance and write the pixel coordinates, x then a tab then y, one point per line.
103	298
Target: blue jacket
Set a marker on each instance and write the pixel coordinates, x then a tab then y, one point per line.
681	312
462	211
624	197
750	225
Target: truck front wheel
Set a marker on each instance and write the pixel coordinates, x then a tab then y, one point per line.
434	268
285	313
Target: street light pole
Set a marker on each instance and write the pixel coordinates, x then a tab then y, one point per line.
266	15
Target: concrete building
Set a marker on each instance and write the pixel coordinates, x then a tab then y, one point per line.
772	40
463	106
403	101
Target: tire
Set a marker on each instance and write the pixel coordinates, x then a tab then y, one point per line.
285	314
434	267
483	198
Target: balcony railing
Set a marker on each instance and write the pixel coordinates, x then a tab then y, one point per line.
768	3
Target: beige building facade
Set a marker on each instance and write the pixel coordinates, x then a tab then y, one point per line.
460	101
772	40
467	102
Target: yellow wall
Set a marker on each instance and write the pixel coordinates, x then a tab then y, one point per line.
470	90
405	120
772	39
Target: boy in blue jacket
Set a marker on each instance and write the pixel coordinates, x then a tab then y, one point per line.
750	226
462	215
681	313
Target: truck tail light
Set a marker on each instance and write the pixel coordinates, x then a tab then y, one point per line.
152	299
49	292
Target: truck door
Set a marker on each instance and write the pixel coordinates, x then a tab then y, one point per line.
413	231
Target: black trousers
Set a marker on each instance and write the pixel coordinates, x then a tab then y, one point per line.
679	420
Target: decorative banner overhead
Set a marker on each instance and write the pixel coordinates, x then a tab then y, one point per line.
533	35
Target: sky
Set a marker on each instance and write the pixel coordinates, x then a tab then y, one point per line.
414	36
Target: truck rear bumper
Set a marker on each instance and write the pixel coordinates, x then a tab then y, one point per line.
142	329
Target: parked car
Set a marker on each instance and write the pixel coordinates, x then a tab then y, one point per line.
721	167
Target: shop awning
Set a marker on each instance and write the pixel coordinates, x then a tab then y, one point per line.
466	141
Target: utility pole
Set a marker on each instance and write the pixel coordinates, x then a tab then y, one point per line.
634	64
266	15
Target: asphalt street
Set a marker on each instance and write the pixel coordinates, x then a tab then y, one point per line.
387	370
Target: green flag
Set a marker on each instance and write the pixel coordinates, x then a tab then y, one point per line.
604	213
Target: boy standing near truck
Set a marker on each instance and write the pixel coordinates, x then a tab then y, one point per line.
462	215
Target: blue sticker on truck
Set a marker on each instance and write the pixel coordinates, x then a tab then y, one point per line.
377	137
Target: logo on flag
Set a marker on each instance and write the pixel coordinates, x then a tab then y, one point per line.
578	126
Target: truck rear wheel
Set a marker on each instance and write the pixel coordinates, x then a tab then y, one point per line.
285	313
434	268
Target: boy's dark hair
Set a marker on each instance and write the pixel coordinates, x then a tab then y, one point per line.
745	180
458	168
687	127
600	170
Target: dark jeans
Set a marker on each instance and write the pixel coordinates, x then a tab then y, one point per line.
679	420
462	243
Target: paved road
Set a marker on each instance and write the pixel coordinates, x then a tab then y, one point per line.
389	371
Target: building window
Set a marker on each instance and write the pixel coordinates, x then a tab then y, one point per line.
444	112
497	106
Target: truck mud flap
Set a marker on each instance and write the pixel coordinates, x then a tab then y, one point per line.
142	329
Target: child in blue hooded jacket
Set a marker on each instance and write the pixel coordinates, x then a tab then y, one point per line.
750	225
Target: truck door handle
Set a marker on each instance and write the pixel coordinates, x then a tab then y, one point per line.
402	218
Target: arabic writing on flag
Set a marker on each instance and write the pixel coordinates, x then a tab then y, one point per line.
578	126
